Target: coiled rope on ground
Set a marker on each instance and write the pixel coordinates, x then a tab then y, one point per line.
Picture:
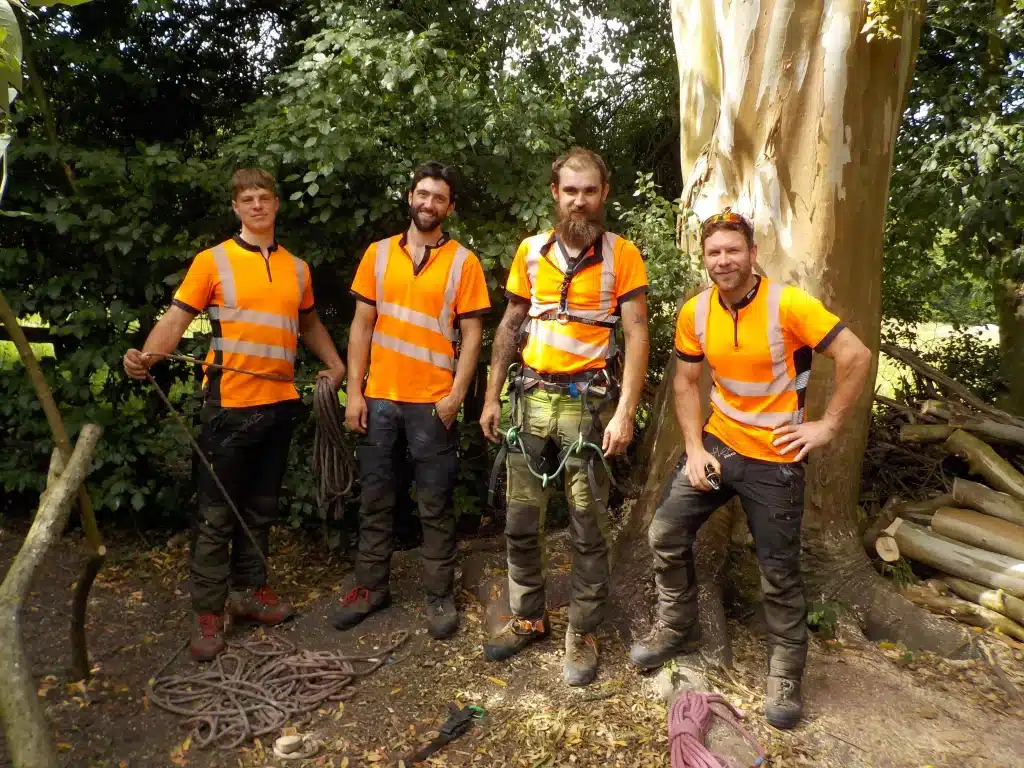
257	686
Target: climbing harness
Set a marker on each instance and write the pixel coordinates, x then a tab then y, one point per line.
594	388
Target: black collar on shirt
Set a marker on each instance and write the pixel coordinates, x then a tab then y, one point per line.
590	256
745	300
254	248
417	266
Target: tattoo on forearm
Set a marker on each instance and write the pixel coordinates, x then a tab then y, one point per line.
504	350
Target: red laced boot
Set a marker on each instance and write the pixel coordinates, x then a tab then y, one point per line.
357	605
209	638
260	605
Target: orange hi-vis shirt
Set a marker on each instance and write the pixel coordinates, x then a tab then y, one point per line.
573	310
418	303
254	303
760	357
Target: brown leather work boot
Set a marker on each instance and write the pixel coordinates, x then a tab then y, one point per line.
209	638
580	666
782	705
260	605
516	635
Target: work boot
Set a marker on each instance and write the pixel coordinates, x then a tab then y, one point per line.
580	657
259	605
782	707
209	638
661	644
357	605
515	636
442	617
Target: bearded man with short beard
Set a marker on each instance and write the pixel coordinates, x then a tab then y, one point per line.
412	290
570	286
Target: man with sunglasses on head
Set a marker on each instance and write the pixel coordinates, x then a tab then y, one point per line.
415	291
758	337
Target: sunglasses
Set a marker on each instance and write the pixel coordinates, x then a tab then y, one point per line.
725	216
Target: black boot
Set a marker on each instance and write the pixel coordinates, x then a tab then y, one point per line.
661	644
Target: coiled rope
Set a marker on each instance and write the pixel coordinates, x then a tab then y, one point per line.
689	721
257	686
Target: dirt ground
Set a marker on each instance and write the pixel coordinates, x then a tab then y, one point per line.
865	705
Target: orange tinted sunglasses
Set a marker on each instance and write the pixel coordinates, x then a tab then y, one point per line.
725	216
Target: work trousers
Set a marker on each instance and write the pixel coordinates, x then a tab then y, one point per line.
433	449
551	416
248	448
772	495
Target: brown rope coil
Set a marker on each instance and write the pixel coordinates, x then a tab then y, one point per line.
257	686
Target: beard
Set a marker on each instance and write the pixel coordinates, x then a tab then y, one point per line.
425	222
579	230
732	280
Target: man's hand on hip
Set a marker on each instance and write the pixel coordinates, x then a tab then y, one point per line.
803	437
696	461
618	434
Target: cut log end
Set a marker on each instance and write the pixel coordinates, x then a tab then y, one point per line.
887	548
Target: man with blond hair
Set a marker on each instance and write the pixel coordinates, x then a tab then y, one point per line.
259	298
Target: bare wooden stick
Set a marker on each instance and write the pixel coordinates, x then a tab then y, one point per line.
984	499
993	599
961	610
950	385
27	733
918	543
980	530
984	461
79	647
924	433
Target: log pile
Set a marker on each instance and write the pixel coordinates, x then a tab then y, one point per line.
970	537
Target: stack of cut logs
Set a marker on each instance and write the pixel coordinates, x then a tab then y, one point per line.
972	535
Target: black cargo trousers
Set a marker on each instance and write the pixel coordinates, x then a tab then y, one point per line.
248	448
433	449
772	495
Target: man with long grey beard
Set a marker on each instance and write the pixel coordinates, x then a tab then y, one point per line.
571	284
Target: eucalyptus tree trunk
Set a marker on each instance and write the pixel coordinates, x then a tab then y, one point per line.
789	115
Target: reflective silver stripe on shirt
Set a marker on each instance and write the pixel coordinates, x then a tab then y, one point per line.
700	318
380	265
608	270
406	315
776	342
543	332
768	419
253	316
225	275
437	359
444	321
533	264
253	349
599	315
756	388
300	275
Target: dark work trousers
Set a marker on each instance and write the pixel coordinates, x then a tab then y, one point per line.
434	452
772	495
248	448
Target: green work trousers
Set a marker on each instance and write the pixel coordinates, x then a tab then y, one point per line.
550	416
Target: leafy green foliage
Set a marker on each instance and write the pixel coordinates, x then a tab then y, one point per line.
651	224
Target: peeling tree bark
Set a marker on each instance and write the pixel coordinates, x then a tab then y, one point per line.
789	116
26	730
